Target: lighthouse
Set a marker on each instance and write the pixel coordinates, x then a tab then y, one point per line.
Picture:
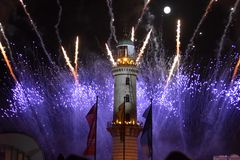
124	127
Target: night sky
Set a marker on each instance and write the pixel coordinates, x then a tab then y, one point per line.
89	19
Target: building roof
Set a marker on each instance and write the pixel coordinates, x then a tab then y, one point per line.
125	42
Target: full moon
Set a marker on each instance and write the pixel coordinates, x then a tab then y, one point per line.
167	10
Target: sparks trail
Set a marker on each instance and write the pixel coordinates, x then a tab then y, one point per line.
8	44
143	47
190	44
142	14
36	30
178	37
28	103
7	62
112	27
58	23
68	62
225	33
110	55
236	70
177	57
76	56
74	70
132	34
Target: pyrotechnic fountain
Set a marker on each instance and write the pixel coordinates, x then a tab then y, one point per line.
189	112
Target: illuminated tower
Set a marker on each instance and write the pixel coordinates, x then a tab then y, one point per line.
124	127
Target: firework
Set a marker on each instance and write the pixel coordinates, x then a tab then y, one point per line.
112	27
198	26
24	97
36	30
132	34
110	55
58	22
7	62
178	37
7	41
76	56
187	103
142	14
68	62
143	47
236	70
177	57
74	70
171	71
225	32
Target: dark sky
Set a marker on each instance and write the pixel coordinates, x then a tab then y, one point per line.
90	20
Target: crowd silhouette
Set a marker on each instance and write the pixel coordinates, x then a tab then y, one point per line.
175	155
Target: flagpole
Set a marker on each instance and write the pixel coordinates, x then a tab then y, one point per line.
124	129
151	131
95	154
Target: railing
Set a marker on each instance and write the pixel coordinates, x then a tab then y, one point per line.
127	123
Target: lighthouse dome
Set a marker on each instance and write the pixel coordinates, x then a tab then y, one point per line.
126	49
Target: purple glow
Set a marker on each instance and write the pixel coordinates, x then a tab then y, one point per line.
62	103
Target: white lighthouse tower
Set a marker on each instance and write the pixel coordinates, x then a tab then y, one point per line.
124	128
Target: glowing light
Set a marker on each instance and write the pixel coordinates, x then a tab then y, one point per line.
178	36
177	57
25	97
132	34
148	1
167	10
7	41
143	47
76	57
110	55
74	70
7	62
175	62
236	69
125	60
68	62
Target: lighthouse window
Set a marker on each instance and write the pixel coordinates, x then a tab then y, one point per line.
122	51
127	98
127	81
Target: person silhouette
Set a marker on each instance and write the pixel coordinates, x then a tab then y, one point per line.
75	157
60	157
176	155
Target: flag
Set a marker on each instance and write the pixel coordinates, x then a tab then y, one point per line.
146	138
92	122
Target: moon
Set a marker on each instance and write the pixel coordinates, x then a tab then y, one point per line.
167	10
